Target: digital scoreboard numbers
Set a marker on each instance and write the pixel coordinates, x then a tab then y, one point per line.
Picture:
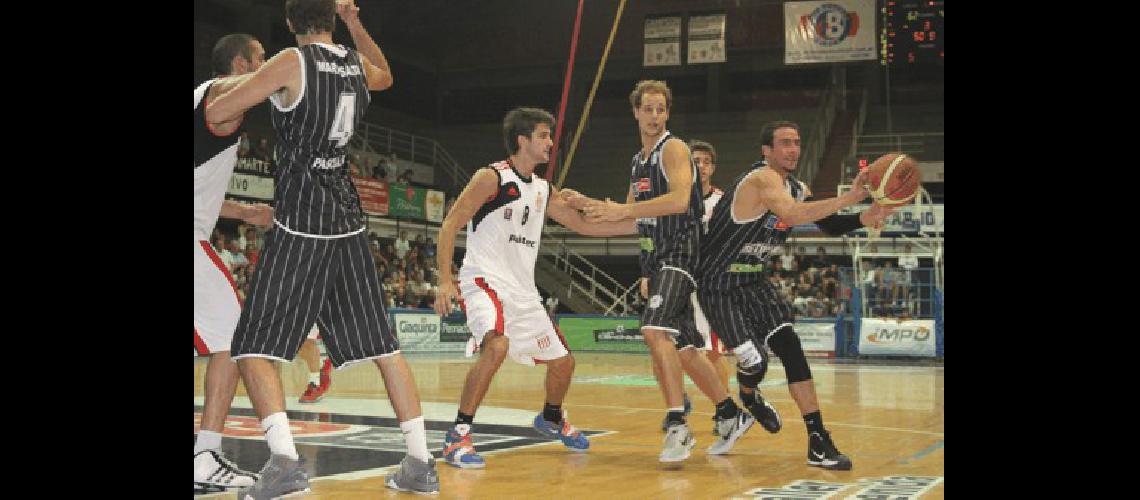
913	32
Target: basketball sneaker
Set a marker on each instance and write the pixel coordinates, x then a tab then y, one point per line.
326	374
678	442
313	393
458	450
688	410
282	477
729	430
214	473
823	453
415	476
567	433
764	412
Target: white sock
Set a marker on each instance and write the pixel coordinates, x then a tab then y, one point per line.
315	378
276	427
207	440
416	438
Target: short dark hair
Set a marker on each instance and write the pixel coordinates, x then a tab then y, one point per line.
651	87
311	16
769	130
699	145
522	121
226	48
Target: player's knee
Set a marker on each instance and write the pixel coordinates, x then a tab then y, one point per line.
495	344
751	365
786	344
565	364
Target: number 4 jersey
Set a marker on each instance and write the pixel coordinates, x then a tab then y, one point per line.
504	235
314	194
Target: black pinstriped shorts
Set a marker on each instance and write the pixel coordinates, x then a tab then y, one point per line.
301	280
669	307
751	312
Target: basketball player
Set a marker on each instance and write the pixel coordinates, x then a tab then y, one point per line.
750	223
504	208
315	266
704	155
320	374
216	304
665	201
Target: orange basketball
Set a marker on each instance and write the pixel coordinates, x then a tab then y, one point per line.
893	179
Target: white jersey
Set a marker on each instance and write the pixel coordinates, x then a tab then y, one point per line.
214	160
504	235
710	203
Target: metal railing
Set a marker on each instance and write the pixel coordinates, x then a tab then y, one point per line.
586	278
415	148
856	129
910	143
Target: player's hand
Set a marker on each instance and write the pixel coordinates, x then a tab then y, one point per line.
347	10
645	288
443	296
259	214
873	217
574	199
859	188
607	211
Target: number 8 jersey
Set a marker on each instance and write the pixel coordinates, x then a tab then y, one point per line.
504	235
314	194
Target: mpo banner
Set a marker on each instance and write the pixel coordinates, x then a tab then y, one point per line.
373	195
406	201
896	338
602	333
829	31
818	339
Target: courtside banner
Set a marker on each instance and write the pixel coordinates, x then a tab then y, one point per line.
250	187
419	332
829	31
602	333
373	195
818	339
892	337
406	201
433	206
907	219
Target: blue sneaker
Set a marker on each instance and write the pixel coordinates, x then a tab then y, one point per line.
567	433
688	410
458	450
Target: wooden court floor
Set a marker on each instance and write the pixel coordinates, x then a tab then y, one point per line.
888	419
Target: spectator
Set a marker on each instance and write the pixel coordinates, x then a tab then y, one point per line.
243	145
429	250
405	178
551	305
237	258
262	151
223	252
353	168
402	245
787	259
888	281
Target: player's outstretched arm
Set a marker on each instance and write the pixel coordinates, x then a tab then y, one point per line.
281	70
258	214
836	225
678	167
560	210
770	193
481	189
376	69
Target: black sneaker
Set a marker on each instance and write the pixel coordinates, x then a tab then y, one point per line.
763	411
823	453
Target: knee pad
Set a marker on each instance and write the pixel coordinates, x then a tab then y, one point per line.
752	364
786	344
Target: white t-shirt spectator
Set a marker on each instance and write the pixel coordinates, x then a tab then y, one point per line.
402	247
908	262
788	261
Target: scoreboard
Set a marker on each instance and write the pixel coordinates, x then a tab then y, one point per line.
912	32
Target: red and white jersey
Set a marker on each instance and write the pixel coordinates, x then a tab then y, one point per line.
710	203
214	160
504	235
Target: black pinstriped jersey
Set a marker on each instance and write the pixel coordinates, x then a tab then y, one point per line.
314	193
733	252
669	239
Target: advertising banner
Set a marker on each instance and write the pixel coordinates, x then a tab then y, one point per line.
373	195
818	339
406	201
706	39
602	333
663	41
829	31
897	338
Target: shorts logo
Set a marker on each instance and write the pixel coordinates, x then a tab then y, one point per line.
643	185
655	301
544	342
507	214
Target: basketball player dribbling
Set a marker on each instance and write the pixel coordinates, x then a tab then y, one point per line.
504	208
216	303
316	266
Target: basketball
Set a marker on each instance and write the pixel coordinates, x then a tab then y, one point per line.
893	179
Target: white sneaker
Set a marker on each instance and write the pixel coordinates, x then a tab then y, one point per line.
729	430
213	473
678	442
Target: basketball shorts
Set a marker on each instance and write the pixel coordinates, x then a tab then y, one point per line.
669	307
495	310
301	281
216	304
712	343
747	313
